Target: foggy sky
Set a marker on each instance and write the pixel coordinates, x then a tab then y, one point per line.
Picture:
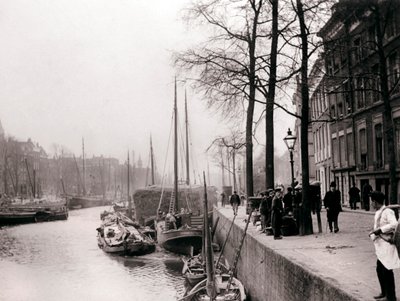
97	69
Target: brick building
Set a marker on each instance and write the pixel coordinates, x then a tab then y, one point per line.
352	88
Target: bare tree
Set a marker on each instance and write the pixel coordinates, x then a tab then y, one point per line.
233	144
227	63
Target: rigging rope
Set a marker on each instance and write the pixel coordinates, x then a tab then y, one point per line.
165	163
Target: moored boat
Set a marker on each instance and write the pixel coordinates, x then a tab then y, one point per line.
120	235
183	240
177	230
79	202
33	212
217	285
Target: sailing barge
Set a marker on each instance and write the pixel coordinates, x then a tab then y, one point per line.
176	229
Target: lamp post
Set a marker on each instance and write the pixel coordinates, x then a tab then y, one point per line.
290	141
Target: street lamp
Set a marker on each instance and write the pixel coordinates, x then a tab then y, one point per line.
290	141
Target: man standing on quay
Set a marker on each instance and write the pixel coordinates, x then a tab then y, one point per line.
235	202
277	212
388	259
333	206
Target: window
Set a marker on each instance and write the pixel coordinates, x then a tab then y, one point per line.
342	147
333	111
340	109
357	51
378	146
360	92
375	78
394	73
335	152
390	29
329	66
350	149
363	149
371	39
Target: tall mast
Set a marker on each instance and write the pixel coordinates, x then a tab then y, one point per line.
187	142
83	167
152	161
129	197
175	149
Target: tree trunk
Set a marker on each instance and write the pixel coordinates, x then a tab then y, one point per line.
250	109
269	113
388	125
306	221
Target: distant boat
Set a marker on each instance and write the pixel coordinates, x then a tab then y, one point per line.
85	200
120	235
178	232
33	212
79	202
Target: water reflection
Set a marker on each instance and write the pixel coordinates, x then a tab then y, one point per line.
60	260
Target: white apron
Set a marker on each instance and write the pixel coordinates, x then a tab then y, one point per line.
386	252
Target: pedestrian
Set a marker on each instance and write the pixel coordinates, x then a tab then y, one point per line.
235	202
354	196
387	256
263	212
270	197
298	196
333	206
277	213
366	190
288	201
223	197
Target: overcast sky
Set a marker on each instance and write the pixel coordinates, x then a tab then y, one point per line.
98	69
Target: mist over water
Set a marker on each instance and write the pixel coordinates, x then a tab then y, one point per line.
61	261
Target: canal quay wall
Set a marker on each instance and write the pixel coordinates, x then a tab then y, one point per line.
321	267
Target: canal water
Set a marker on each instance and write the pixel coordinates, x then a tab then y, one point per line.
61	261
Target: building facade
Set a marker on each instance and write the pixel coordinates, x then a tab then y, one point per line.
359	146
320	124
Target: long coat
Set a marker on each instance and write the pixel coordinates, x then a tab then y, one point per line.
332	202
277	212
386	252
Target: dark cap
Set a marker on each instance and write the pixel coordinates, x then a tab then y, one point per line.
333	184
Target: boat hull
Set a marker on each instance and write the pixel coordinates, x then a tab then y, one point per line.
184	241
235	292
129	249
34	214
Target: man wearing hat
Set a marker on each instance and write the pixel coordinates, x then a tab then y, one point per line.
277	212
235	202
333	207
387	256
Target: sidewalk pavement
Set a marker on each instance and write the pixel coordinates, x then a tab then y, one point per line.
346	259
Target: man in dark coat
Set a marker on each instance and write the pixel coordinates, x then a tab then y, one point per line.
235	202
333	206
366	190
277	213
288	200
270	197
354	196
